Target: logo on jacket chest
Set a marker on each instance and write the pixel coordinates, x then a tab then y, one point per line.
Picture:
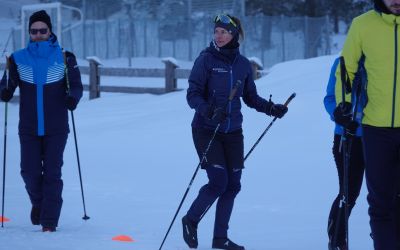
219	70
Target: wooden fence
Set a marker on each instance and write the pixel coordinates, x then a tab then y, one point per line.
171	73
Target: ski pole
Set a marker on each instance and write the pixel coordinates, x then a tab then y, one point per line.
269	126
203	158
5	146
345	146
85	217
4	164
5	46
255	144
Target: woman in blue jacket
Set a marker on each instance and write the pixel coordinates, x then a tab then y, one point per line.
356	162
211	81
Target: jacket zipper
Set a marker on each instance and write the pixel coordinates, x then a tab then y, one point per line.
230	104
228	127
395	73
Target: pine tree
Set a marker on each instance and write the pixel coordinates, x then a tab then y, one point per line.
346	10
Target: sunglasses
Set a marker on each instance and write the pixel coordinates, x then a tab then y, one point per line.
41	31
223	18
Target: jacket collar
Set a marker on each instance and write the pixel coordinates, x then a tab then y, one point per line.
387	16
390	18
228	55
43	48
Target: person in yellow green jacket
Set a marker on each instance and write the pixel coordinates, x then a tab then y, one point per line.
375	34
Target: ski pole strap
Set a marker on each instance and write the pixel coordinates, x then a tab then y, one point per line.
66	71
65	58
346	88
359	83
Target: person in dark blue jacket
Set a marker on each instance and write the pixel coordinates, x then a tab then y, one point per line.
39	72
215	72
356	163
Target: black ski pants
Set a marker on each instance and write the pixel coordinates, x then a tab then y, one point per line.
41	162
356	174
224	170
381	148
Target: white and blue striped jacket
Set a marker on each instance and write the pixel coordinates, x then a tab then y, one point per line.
39	72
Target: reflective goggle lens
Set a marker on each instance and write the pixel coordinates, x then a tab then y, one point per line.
224	19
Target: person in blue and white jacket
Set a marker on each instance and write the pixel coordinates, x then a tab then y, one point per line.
215	73
356	167
39	72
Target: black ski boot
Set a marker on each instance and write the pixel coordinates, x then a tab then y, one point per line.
35	215
48	229
339	247
189	232
225	243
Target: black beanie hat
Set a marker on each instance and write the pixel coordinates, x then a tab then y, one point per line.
41	16
232	29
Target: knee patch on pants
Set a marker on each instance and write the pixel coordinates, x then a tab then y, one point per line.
218	179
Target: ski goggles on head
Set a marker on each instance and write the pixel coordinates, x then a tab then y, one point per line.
223	18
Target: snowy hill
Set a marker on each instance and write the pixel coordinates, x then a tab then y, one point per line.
137	158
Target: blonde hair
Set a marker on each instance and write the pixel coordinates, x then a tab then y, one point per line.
239	26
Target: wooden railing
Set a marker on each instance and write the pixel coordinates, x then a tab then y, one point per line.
171	73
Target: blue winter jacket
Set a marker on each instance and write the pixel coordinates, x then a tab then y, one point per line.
330	100
212	78
39	72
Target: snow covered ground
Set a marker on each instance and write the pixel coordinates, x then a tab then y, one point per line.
137	158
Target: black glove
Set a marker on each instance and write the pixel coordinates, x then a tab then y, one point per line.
219	115
71	103
278	110
207	112
343	116
6	95
351	127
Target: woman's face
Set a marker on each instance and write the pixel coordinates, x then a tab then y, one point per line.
222	37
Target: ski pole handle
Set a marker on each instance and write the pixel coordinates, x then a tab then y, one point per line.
289	99
346	87
234	90
269	126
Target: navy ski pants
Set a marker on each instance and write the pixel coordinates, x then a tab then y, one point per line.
224	170
41	162
381	149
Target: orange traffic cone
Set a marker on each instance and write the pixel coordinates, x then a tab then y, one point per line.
4	219
123	238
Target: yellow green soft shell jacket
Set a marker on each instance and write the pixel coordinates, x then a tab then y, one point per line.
376	35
